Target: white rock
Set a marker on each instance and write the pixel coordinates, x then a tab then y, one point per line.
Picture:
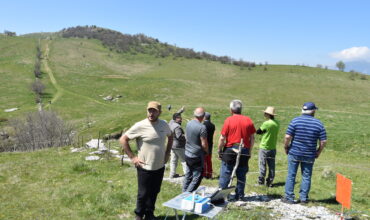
10	109
96	152
114	151
93	143
92	158
76	150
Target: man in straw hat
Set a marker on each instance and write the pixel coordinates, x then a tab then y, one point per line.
269	131
153	153
300	144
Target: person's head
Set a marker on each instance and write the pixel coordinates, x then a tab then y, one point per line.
154	109
269	113
199	113
177	118
309	108
236	106
207	116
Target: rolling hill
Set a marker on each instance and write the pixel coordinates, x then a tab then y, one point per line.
80	72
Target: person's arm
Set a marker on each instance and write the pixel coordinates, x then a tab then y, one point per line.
179	134
321	147
181	110
252	144
259	131
287	141
168	149
124	141
221	145
204	143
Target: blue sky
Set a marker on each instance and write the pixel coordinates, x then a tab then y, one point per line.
274	31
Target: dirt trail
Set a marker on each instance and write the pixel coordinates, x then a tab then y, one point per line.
47	69
59	90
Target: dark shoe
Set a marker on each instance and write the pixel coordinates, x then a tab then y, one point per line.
287	201
268	184
303	202
175	176
150	217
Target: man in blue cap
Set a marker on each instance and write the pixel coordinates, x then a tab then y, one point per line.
300	144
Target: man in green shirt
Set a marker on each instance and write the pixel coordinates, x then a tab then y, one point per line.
269	131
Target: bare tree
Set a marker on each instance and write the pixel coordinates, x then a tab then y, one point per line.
37	87
39	130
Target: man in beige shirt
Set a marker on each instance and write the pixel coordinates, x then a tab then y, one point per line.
153	152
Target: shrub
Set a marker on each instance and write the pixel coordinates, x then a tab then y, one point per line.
37	87
39	130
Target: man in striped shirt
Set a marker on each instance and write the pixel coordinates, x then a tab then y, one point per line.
300	144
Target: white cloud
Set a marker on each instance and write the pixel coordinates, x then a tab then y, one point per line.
352	54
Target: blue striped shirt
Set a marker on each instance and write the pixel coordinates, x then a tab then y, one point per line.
305	130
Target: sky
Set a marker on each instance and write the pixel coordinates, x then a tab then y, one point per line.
273	31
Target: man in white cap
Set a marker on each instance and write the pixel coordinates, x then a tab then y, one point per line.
269	131
150	135
300	144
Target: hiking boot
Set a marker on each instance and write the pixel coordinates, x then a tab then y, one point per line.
288	201
269	184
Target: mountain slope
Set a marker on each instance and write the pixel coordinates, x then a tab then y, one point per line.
86	72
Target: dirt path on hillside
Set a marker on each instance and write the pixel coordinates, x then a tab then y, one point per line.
59	90
53	81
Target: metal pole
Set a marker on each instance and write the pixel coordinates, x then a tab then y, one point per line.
241	145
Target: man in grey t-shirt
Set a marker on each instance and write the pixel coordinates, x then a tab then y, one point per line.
195	148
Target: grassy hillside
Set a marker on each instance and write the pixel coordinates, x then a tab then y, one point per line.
17	59
78	73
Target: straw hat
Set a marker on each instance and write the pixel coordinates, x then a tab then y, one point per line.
270	110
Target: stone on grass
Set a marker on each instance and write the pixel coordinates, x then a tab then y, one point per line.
10	109
92	158
93	143
76	150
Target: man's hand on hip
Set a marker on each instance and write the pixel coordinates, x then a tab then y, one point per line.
137	162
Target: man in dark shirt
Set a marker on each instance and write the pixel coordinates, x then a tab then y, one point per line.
207	171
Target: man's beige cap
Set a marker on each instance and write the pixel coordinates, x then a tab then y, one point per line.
155	105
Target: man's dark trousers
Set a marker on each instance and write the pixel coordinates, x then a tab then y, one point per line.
149	185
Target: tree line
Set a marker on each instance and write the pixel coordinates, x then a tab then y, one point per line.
140	43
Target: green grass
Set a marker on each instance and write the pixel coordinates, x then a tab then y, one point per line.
56	184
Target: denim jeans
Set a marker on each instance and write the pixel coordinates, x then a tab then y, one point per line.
306	171
193	176
241	171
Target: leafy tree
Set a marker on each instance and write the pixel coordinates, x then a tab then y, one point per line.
340	65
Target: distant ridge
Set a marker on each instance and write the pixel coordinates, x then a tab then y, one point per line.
360	66
140	43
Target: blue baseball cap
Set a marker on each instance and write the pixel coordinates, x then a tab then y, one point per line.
309	106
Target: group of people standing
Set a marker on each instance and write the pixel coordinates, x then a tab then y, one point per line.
194	149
